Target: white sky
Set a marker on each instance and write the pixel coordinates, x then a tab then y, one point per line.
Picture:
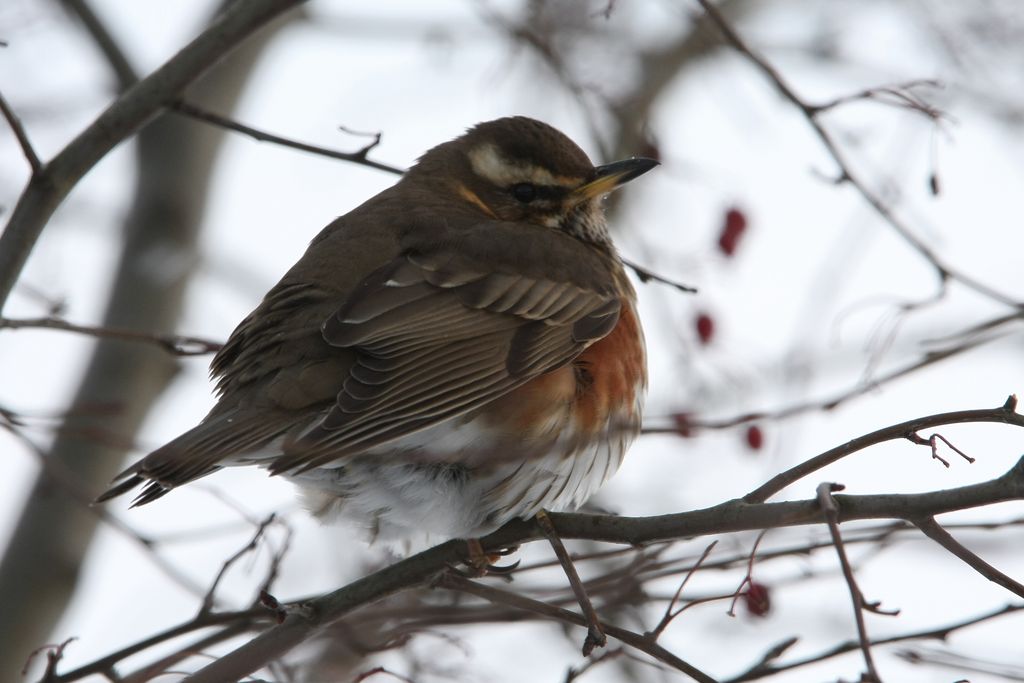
815	281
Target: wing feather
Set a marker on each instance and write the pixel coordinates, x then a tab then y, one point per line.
435	337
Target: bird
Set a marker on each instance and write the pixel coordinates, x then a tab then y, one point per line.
461	350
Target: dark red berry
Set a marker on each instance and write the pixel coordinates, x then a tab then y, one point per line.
705	328
733	227
755	438
682	424
758	599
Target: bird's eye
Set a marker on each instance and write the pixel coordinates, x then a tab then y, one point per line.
524	192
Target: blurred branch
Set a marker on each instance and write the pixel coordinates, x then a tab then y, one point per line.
116	59
390	625
19	132
173	344
423	569
50	184
765	669
933	530
693	422
962	664
42	562
57	472
846	175
644	643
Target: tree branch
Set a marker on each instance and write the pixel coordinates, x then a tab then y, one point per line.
129	112
423	569
904	430
357	157
811	112
19	132
174	344
934	531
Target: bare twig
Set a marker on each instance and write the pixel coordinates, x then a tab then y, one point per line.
366	675
19	132
48	187
934	531
357	157
829	403
671	613
846	174
764	670
208	599
933	443
174	344
1005	413
503	597
116	58
899	95
831	510
646	276
595	636
748	577
238	622
54	653
423	568
961	664
62	477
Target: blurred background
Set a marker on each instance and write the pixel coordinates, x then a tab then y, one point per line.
813	312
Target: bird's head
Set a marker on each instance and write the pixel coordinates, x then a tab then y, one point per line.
522	170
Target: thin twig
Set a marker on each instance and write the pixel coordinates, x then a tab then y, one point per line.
358	157
764	670
242	620
831	510
174	344
748	577
830	403
208	599
646	276
20	133
116	58
54	653
671	614
502	597
1005	414
934	531
847	175
65	479
48	188
595	636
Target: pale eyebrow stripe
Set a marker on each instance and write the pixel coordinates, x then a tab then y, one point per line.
487	161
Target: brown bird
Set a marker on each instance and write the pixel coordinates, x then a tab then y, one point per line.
460	350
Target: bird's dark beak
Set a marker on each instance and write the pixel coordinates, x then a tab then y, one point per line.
613	175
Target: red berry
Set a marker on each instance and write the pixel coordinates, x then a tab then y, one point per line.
755	437
732	229
758	599
705	328
682	424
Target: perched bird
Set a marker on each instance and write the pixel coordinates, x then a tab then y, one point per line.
460	350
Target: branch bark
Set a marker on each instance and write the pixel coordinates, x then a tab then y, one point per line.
48	187
424	569
40	567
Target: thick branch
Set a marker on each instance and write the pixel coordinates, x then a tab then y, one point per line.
423	569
